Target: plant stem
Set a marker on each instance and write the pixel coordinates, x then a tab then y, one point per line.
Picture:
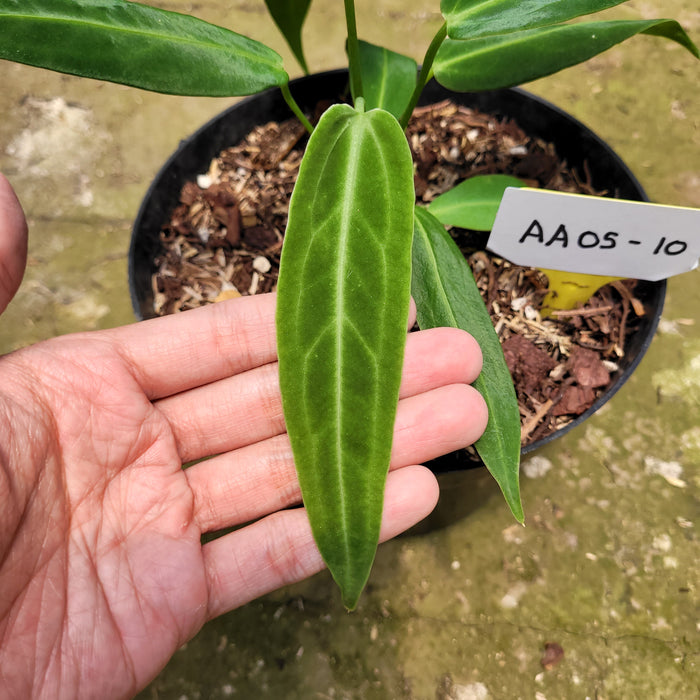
295	108
425	74
353	50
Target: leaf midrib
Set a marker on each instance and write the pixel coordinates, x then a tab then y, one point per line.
344	235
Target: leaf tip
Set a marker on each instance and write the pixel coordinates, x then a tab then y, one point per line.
517	510
350	600
514	502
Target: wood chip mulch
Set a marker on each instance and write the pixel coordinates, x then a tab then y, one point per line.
225	238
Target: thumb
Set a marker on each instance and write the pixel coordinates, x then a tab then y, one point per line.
13	243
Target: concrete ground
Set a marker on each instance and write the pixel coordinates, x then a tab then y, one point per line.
464	607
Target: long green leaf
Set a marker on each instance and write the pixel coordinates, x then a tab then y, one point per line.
342	309
469	19
474	202
133	44
289	16
446	295
511	59
388	78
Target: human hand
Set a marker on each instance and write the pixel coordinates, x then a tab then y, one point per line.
102	571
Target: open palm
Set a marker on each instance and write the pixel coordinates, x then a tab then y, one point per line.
103	574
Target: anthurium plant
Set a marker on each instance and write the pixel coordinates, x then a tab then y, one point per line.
342	323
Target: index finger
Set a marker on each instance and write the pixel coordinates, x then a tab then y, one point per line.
179	352
175	353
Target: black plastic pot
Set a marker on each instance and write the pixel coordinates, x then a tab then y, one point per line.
575	143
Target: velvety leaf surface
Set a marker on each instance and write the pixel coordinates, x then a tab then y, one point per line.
388	78
446	295
137	45
515	58
468	19
473	203
342	309
289	16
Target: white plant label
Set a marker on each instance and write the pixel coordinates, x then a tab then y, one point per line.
595	235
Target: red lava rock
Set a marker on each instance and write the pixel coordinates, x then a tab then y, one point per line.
587	368
527	363
575	400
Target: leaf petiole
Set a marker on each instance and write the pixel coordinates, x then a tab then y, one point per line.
295	108
353	47
426	72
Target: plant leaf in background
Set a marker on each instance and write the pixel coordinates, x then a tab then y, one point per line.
342	310
469	19
388	78
137	45
474	202
289	16
518	57
446	295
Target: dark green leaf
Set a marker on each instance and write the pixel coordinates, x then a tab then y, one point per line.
474	202
446	295
512	59
342	309
388	78
132	44
289	16
469	19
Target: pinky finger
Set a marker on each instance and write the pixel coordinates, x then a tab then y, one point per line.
279	549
